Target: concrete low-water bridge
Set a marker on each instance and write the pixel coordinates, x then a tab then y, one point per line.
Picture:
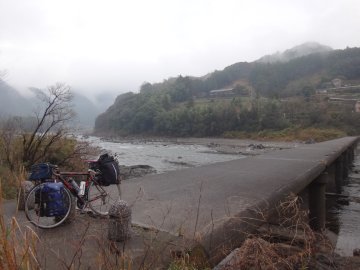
213	207
218	204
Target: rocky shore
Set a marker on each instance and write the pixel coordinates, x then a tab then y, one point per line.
221	145
128	172
217	145
248	148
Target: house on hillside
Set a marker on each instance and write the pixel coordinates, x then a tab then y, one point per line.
226	92
357	106
337	82
321	91
354	104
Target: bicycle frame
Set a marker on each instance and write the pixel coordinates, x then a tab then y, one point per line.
90	177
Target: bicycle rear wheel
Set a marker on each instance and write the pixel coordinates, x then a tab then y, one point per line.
101	198
35	208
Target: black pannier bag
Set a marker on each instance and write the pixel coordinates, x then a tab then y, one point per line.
110	171
41	171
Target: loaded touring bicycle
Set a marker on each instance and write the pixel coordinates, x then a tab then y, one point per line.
50	201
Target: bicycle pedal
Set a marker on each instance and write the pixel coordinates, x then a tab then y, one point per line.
85	211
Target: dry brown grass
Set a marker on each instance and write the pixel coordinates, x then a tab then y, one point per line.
17	246
22	248
267	251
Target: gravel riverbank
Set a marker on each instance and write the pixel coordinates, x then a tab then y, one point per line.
239	146
221	145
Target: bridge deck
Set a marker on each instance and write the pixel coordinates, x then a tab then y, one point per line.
216	200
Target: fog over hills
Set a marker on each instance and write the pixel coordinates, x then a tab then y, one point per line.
226	100
295	52
86	110
11	102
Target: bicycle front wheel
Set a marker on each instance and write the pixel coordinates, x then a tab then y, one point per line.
101	198
37	208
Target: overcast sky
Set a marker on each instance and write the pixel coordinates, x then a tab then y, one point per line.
116	45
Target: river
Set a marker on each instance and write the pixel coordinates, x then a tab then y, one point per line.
163	156
344	214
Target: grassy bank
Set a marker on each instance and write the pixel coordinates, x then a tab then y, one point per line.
67	153
289	134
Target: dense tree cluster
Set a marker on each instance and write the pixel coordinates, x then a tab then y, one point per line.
141	114
272	80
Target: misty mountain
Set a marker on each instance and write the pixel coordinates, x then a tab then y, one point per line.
104	100
86	110
186	106
295	52
11	102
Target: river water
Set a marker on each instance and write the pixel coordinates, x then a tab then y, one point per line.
163	156
343	215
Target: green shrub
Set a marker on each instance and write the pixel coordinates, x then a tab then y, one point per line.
67	153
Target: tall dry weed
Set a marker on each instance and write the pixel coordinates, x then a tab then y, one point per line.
291	247
17	246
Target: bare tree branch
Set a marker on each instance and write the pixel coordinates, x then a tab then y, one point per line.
51	122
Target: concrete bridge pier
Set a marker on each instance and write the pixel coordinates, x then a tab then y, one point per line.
317	200
332	185
339	167
345	164
352	154
335	174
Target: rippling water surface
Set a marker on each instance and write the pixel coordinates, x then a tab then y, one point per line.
163	156
349	216
346	213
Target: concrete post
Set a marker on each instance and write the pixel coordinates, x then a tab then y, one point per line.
317	203
119	221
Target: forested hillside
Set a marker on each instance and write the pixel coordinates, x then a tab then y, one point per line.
264	96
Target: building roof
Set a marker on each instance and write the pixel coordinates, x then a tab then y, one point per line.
221	90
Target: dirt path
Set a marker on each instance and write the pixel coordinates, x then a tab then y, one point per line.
83	243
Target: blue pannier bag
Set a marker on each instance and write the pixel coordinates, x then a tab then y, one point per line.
41	171
52	203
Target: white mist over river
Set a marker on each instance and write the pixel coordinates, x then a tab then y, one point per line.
163	156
